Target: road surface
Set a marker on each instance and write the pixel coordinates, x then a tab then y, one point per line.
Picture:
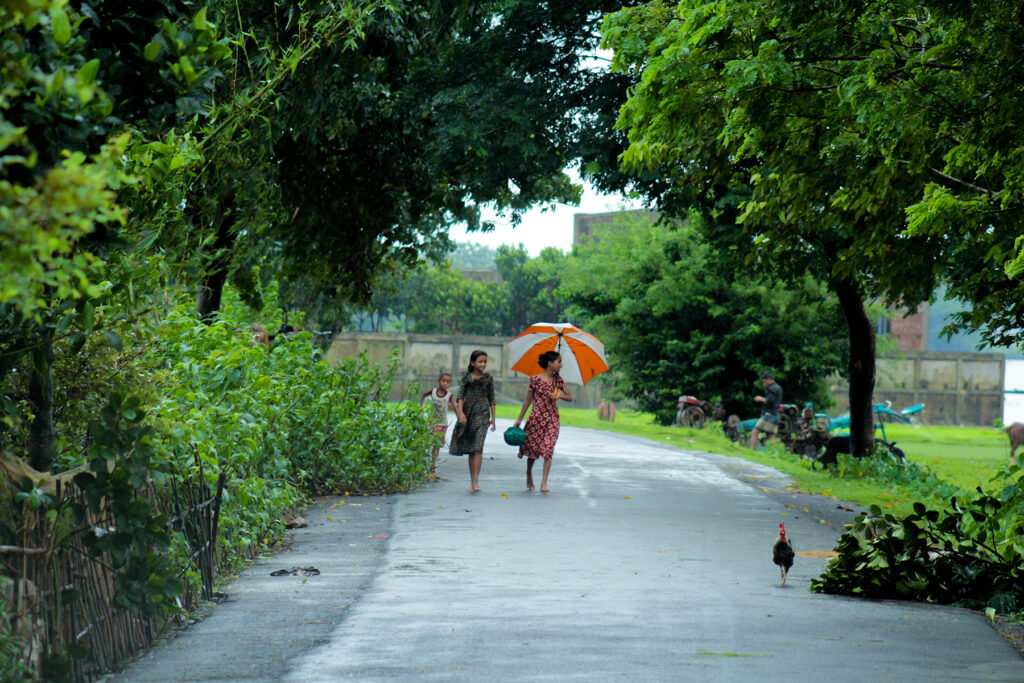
643	563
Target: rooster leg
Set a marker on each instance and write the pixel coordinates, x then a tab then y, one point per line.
784	573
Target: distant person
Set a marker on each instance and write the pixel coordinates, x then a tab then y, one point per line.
475	409
441	400
769	421
543	426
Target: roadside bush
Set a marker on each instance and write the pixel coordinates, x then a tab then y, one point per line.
971	552
280	423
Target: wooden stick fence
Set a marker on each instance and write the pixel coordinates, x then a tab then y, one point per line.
61	596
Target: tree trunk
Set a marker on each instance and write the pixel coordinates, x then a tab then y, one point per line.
211	285
40	393
861	368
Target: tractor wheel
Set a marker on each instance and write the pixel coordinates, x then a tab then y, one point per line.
693	417
822	423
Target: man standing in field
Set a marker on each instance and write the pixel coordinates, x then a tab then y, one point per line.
769	421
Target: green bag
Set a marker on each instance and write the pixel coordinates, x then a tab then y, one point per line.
514	436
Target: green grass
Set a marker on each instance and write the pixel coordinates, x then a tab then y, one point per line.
965	456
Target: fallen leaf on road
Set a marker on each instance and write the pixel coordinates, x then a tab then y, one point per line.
625	496
817	553
380	536
440	507
767	490
504	495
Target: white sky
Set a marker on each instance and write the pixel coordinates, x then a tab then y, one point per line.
542	228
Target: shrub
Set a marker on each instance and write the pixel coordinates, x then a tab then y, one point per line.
971	552
280	422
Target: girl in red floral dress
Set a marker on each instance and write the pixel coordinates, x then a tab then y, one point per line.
542	427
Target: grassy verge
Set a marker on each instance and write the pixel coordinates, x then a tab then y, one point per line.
964	456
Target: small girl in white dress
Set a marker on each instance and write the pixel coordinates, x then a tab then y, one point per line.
441	401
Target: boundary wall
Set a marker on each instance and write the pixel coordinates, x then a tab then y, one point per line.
956	388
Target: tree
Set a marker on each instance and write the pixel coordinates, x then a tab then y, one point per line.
934	89
72	77
741	107
472	255
677	318
530	286
442	107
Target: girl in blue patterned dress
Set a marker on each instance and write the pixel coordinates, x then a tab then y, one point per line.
475	410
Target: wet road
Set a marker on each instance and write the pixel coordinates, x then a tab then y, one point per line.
643	563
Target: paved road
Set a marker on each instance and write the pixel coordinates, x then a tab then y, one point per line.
643	563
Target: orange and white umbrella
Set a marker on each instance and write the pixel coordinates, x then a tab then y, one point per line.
582	353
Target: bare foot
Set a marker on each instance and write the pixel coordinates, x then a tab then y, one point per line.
476	489
529	483
544	489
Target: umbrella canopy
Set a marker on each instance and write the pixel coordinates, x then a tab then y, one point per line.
582	354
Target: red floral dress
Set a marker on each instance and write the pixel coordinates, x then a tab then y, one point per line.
543	425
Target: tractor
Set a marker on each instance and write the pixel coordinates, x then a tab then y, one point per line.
693	412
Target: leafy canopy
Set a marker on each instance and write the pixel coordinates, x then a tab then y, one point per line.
677	319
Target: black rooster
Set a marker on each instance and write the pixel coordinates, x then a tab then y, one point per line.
782	553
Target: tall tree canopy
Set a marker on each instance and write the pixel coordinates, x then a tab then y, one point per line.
745	109
677	318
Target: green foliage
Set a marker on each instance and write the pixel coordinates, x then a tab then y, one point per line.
676	319
442	299
530	286
13	668
280	423
887	130
122	463
472	255
970	552
750	112
438	299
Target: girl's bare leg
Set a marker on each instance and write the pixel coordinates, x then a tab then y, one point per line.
475	461
433	460
544	478
529	473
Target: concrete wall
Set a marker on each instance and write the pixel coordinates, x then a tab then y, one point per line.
957	388
425	356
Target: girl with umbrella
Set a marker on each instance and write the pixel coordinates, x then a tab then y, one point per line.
542	428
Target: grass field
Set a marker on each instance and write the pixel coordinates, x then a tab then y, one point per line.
965	456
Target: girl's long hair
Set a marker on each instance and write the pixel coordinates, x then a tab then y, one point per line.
472	358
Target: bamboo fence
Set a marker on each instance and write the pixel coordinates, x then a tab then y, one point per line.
62	596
